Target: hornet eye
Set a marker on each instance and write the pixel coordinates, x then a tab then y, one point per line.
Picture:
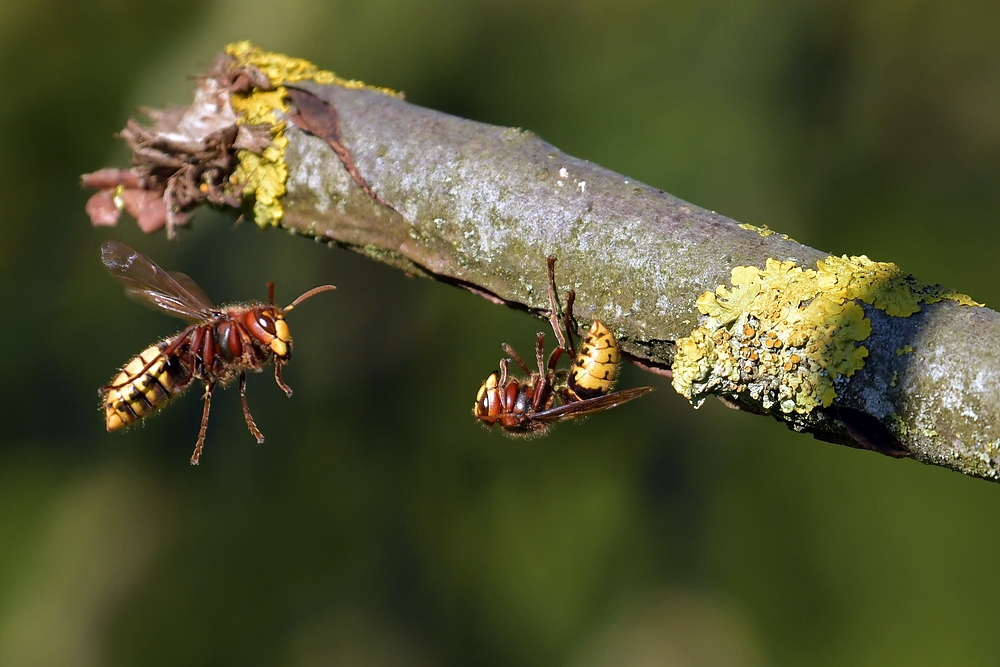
267	324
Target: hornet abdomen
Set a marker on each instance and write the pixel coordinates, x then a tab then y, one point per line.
595	368
136	393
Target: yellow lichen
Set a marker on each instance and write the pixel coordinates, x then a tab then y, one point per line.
281	69
900	425
699	356
906	349
763	230
263	175
783	334
881	284
937	293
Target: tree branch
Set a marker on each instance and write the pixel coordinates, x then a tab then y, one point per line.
481	207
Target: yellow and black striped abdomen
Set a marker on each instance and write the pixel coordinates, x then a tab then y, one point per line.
595	368
136	393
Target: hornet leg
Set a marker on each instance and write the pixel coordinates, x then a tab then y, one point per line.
277	378
196	456
516	357
504	372
170	349
542	384
554	302
540	353
568	320
254	431
565	343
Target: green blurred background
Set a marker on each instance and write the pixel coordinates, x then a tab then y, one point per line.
379	524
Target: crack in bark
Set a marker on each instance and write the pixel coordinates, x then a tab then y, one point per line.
320	119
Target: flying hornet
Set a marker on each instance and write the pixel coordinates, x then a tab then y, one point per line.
220	344
529	406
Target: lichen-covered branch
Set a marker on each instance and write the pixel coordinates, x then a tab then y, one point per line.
850	350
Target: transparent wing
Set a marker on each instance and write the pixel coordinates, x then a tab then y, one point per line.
148	283
591	405
193	288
